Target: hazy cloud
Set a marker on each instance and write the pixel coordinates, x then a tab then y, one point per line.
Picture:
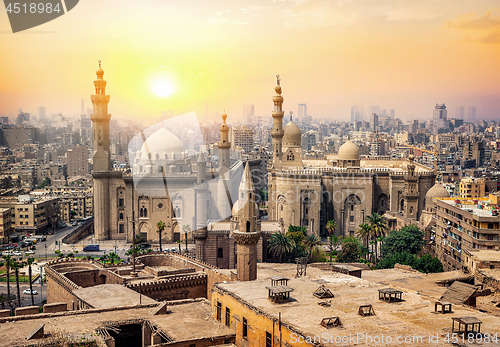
320	13
487	26
240	17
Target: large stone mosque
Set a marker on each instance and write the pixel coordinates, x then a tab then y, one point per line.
218	205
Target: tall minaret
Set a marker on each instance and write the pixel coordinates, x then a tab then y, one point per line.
224	144
102	160
248	231
411	193
100	123
277	130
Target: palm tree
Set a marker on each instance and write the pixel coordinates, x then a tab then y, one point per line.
2	301
378	226
130	251
331	226
112	257
17	265
31	261
310	242
365	231
160	226
279	244
7	261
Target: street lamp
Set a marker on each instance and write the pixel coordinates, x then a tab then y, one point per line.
41	283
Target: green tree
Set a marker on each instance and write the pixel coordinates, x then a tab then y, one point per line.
7	260
112	258
139	238
408	239
130	251
280	245
160	226
350	252
378	226
311	242
46	182
30	262
331	226
365	231
425	263
16	265
2	301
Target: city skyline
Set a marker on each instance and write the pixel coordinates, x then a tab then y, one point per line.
406	57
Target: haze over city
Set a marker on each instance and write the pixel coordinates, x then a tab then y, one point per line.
401	55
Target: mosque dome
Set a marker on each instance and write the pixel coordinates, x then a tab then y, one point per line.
292	136
162	141
436	191
348	151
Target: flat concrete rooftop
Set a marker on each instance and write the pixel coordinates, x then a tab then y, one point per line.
185	321
111	295
414	316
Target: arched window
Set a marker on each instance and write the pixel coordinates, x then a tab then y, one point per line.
248	226
145	212
121	216
411	209
141	212
220	252
402	207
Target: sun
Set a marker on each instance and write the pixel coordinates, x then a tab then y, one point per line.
162	87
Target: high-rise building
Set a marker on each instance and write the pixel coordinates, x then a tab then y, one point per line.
373	109
241	136
393	114
4	120
302	112
78	161
357	113
374	121
42	113
440	112
471	114
249	113
460	112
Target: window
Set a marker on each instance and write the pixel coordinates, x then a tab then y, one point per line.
269	339
219	311
351	219
228	316
121	216
145	212
120	228
245	327
220	252
248	226
120	202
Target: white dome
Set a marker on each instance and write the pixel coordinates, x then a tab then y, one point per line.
162	141
349	151
292	136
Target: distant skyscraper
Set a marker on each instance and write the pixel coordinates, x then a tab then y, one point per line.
357	113
373	109
4	120
471	114
440	112
393	114
302	112
41	113
374	121
460	112
249	113
78	161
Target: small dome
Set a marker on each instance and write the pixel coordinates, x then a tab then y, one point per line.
436	191
99	72
162	141
292	136
348	151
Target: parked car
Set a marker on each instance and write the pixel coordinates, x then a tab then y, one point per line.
173	249
144	245
28	291
33	248
7	253
91	248
29	252
17	253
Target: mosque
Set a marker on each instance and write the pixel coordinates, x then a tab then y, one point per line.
217	206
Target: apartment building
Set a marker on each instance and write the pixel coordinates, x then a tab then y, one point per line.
241	136
82	205
33	214
464	226
472	188
6	227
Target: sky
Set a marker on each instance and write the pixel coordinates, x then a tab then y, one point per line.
161	55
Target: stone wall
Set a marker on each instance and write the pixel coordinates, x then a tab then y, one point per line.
174	288
23	311
56	307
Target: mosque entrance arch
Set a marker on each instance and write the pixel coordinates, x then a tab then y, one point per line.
353	214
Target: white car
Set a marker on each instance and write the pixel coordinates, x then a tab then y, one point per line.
29	252
17	253
28	291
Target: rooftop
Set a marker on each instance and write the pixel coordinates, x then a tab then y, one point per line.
187	320
111	295
413	316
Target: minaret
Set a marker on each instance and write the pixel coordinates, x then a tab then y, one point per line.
101	158
224	144
100	123
411	191
248	232
277	130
